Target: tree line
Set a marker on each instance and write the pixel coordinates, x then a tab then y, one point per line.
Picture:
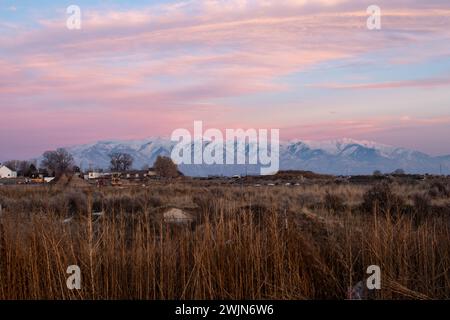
60	161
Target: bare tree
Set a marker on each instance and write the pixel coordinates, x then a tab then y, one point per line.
127	161
32	169
22	167
115	161
59	161
165	167
12	164
121	161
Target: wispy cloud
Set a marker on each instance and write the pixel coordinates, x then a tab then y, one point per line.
168	61
419	83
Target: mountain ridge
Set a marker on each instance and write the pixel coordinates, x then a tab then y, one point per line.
339	156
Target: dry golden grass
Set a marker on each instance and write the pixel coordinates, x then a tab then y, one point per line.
305	242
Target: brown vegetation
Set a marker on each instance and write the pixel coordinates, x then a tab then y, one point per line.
165	167
312	241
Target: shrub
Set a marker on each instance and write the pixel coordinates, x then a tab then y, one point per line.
438	190
76	201
155	201
304	200
122	203
334	203
382	198
97	202
205	202
165	167
422	207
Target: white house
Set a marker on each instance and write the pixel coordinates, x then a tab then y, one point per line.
94	175
7	173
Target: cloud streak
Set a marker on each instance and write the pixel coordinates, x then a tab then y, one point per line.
420	83
171	62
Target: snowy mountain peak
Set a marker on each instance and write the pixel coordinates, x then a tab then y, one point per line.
339	156
337	146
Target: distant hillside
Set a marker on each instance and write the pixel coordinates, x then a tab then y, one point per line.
338	157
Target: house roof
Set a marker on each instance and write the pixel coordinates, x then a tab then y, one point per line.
2	165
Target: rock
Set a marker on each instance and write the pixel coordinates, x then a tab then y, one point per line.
177	216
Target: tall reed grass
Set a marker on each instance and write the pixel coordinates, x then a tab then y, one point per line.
309	242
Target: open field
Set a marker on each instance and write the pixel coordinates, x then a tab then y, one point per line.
309	241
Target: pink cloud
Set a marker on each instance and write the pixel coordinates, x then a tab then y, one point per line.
420	83
146	72
369	128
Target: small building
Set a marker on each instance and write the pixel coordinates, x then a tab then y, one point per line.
135	174
7	173
94	175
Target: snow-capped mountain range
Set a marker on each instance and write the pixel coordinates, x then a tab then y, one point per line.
339	157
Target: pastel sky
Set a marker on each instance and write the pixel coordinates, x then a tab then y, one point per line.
138	69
